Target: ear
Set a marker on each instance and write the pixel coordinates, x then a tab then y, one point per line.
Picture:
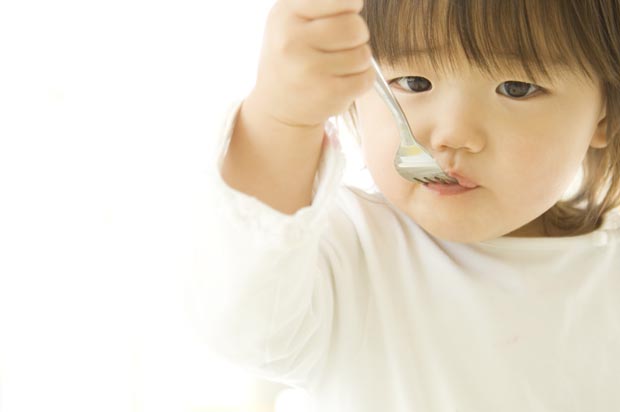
599	138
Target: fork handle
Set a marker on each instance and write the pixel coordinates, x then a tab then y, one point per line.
384	90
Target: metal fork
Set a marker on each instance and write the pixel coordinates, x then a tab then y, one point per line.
412	160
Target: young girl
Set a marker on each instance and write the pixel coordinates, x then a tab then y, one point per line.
499	293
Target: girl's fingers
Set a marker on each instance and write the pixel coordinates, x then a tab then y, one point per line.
342	32
343	63
314	9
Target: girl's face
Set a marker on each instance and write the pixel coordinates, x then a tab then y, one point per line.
521	143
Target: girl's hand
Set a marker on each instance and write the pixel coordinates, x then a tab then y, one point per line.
315	61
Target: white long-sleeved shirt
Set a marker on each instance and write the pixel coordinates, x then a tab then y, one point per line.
350	299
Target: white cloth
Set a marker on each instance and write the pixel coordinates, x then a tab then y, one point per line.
354	302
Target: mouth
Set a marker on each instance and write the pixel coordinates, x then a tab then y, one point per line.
463	181
449	189
464	185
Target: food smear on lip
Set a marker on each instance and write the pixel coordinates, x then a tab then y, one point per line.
443	189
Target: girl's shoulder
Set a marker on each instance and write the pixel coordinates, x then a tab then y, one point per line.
611	221
371	212
355	200
358	194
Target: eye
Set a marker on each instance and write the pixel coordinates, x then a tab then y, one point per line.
518	90
414	84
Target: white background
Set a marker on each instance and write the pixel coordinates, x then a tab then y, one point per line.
107	113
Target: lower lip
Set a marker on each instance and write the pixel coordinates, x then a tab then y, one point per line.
448	190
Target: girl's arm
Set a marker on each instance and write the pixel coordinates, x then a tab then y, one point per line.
260	292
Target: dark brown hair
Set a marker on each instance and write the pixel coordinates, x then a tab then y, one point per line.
583	35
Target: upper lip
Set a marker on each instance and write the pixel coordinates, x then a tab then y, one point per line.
463	181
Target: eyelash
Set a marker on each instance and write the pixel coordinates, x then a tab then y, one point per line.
533	89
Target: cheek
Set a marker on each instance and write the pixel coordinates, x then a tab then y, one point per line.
379	151
379	135
536	174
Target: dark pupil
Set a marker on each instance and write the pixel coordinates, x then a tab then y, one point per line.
418	84
517	89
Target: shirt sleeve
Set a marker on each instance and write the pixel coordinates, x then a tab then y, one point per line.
259	294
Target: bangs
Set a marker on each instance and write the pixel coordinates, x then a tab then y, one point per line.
514	36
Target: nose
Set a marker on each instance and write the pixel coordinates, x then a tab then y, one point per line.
459	124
